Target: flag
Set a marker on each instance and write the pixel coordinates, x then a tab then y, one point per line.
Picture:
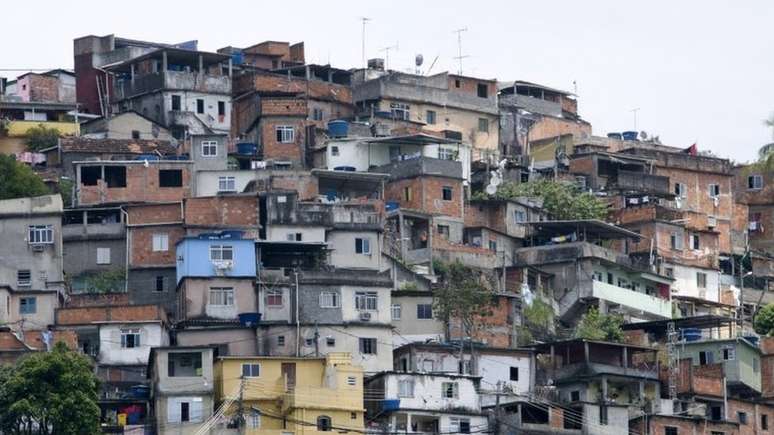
692	150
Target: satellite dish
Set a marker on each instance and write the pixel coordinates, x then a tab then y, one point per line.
491	189
495	179
419	59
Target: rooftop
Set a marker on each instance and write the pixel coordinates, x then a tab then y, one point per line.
116	146
174	56
585	228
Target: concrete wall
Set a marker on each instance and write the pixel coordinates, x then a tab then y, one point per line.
409	327
428	392
685	283
207	181
110	351
142	287
279	233
122	125
344	255
165	384
196	262
236	340
80	256
195	298
45	304
209	163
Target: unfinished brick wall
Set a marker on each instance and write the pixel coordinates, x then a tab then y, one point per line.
276	150
141	245
548	127
427	195
315	89
37	87
155	213
582	165
95	300
142	184
753	419
222	211
283	107
686	425
87	315
469	85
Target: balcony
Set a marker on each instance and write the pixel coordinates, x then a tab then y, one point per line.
421	166
93	231
639	182
173	81
632	300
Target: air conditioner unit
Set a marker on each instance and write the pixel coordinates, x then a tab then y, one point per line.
712	222
38	247
753	226
222	266
365	317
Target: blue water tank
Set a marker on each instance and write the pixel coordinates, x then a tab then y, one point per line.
249	319
614	136
391	405
345	168
391	205
247	149
139	391
338	128
752	339
147	157
691	334
629	135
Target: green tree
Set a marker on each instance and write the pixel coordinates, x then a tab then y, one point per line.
602	327
41	137
17	180
65	188
462	294
764	320
108	281
49	393
562	200
537	323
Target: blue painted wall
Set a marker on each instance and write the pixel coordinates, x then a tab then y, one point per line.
193	255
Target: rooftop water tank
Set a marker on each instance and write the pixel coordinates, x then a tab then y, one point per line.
249	319
691	334
247	149
338	128
147	157
614	136
629	135
391	205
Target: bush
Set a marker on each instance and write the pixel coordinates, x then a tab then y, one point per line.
562	200
600	327
17	180
41	137
763	322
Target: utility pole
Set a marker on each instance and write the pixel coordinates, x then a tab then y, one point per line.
240	405
498	414
316	340
386	51
459	47
634	112
365	21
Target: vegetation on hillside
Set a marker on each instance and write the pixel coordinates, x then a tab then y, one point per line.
562	200
17	180
601	327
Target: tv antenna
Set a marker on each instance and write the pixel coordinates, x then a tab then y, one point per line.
459	46
386	51
365	21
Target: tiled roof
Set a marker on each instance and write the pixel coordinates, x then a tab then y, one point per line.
117	146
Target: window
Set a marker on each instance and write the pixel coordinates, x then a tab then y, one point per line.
705	357
285	134
254	420
209	148
430	117
714	190
353	415
520	215
317	114
754	182
764	422
41	234
450	390
603	415
280	340
28	305
135	134
176	102
324	423
274	298
130	338
188	364
222	296
424	311
159	283
456	83
294	237
115	176
226	184
575	396
493	246
90	175
701	280
23	278
368	346
329	300
445	153
459	425
103	255
351	381
483	125
514	374
463	367
694	241
680	190
670	430
160	242
482	89
741	417
407	193
221	252
669	272
199	106
251	370
676	241
330	341
334	150
400	111
396	311
170	178
362	246
446	193
185	411
366	301
221	108
443	230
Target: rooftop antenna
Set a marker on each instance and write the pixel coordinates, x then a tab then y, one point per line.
459	46
386	51
365	21
634	112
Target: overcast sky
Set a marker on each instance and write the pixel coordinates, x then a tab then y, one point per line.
699	71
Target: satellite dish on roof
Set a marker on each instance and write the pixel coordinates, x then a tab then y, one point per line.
419	59
495	179
491	189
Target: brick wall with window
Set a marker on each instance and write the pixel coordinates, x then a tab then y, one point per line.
283	139
434	195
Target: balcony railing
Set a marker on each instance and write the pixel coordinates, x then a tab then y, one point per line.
632	300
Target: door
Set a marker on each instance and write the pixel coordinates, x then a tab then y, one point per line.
289	373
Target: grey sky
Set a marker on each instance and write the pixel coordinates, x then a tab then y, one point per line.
698	70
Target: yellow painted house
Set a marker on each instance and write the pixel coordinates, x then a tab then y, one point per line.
292	396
